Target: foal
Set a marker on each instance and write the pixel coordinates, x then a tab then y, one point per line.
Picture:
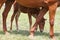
31	12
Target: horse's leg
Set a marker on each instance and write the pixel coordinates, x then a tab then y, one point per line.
5	13
52	10
13	15
16	19
38	19
16	14
12	18
30	19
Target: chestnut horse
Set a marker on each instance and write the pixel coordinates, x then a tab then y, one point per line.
31	11
52	5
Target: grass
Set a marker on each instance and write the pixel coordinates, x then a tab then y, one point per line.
24	28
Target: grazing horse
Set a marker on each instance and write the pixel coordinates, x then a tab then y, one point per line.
51	4
31	12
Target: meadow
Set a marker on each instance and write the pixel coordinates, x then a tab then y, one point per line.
24	27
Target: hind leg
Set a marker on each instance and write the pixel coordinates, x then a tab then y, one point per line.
30	19
8	5
16	19
13	16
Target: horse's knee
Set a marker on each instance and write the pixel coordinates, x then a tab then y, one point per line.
52	22
4	15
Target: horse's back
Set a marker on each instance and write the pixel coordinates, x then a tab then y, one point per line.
30	3
34	3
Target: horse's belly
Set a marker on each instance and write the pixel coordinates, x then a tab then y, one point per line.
30	3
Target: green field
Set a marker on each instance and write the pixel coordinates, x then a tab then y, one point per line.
24	28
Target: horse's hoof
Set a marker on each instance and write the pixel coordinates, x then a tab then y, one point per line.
41	31
31	37
10	30
7	33
17	30
53	38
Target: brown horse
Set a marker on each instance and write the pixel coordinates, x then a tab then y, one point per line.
31	12
52	5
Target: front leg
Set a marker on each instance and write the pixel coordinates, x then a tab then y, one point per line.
52	10
30	19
